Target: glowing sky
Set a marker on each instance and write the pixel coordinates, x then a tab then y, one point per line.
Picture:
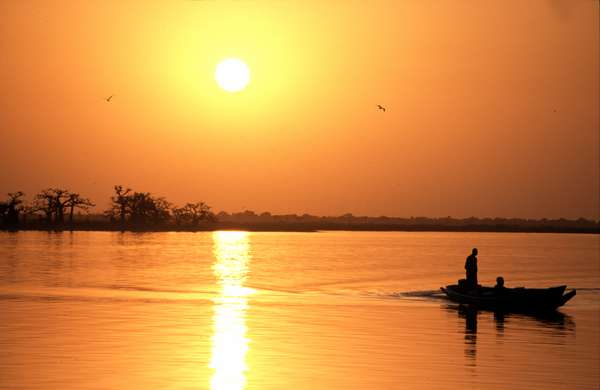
492	106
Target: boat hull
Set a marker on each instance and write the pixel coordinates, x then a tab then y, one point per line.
511	299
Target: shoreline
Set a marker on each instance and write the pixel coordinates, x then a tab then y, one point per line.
311	228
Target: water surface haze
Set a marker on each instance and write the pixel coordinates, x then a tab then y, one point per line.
327	310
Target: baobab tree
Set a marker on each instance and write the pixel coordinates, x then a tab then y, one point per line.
44	202
120	202
74	201
138	208
53	202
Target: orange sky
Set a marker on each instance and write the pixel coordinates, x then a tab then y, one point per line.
493	106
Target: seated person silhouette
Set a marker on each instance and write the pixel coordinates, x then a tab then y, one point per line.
499	287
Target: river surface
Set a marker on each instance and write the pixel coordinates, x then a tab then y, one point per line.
327	310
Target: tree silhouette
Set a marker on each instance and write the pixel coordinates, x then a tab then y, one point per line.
160	211
120	202
53	201
11	208
138	208
28	210
61	197
44	202
3	212
192	214
146	209
74	201
140	204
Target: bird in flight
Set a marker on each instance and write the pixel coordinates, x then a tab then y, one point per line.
109	98
381	107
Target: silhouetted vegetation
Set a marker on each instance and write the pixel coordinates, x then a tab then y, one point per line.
138	209
143	211
193	214
128	210
10	210
52	203
268	221
76	201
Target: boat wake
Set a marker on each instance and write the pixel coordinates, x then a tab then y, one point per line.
590	289
114	293
425	294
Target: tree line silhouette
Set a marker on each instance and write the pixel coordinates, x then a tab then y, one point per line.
267	221
61	209
128	210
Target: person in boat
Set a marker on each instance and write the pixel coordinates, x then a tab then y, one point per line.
499	287
471	268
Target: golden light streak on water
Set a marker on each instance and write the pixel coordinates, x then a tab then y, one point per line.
229	342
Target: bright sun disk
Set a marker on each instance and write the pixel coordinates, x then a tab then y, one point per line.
232	74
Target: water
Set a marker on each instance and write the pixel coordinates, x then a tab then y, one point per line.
330	310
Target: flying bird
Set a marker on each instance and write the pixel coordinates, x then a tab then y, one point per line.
108	98
381	107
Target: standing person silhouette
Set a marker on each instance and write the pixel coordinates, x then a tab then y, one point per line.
471	267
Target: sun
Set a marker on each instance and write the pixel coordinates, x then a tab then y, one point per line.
232	74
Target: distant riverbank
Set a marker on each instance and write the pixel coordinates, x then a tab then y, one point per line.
58	209
313	227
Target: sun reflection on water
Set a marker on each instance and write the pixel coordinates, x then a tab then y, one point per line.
229	342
